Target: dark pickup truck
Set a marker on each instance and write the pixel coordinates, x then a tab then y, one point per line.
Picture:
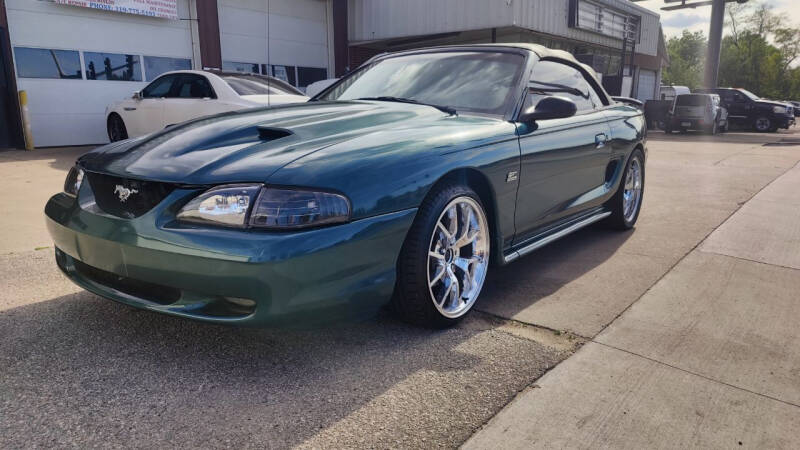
748	110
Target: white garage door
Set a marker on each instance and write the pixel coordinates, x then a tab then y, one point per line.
297	32
647	85
74	61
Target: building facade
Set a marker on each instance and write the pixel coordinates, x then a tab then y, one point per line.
74	60
623	42
74	57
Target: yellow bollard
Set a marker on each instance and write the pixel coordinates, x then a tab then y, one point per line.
26	120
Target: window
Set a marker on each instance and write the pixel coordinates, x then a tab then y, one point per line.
285	73
160	87
240	67
112	66
554	78
193	86
692	100
47	63
156	65
257	85
748	94
308	75
601	19
483	82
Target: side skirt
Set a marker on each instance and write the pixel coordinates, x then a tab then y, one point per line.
551	236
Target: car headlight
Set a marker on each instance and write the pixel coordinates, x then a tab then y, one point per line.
296	208
257	206
224	205
73	182
779	109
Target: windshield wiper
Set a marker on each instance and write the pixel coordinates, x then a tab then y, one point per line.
447	109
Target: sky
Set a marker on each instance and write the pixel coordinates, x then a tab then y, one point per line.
674	22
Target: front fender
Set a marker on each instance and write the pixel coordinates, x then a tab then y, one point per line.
394	170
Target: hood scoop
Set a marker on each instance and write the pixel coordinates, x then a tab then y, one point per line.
272	134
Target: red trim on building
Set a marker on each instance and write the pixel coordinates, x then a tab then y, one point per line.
8	85
208	29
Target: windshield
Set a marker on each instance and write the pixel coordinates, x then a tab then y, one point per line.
257	85
467	81
749	94
692	100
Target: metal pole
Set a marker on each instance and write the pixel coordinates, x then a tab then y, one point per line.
714	43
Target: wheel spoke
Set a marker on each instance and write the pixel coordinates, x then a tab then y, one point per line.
452	227
454	290
438	276
436	255
468	239
444	230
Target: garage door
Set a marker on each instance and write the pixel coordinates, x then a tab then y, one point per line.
75	61
647	85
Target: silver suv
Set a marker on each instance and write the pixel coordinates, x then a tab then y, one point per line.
703	112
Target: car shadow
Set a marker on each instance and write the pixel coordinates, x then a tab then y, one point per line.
515	287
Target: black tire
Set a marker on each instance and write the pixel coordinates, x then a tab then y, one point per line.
763	124
116	128
617	219
413	300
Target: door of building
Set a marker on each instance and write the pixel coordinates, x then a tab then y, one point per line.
9	116
647	85
5	107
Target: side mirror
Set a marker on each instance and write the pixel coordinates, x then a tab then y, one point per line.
549	108
137	95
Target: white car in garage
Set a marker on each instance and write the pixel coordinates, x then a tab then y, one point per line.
178	96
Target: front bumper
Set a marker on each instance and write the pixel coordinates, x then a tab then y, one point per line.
220	275
785	121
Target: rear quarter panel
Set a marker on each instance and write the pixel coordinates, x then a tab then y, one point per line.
628	131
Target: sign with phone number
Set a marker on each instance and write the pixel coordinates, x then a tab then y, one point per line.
167	9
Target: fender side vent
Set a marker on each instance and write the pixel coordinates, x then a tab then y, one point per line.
611	169
271	134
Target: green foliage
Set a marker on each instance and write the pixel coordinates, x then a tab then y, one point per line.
760	53
687	54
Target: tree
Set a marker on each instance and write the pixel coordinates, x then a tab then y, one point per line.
687	56
760	53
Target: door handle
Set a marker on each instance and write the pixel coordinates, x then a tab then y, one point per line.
600	140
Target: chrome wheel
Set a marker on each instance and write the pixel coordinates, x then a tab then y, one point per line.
458	257
632	195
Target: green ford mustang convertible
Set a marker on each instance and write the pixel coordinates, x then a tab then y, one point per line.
401	184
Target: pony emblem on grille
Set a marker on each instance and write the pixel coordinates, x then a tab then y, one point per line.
124	192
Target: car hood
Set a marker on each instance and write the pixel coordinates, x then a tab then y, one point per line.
250	145
771	103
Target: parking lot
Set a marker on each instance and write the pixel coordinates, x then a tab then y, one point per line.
679	333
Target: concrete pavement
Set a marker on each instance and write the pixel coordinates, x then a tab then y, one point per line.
27	178
706	358
78	370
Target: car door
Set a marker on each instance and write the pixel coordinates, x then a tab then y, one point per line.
563	161
146	114
739	107
192	97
